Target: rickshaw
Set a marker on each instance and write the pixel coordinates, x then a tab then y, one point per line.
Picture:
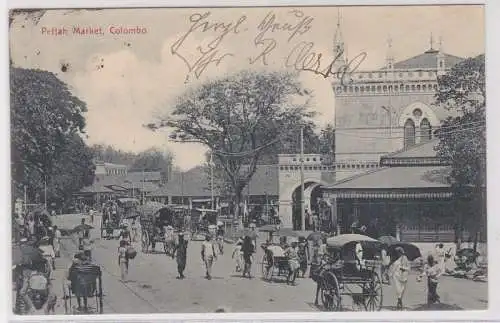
274	261
201	219
126	208
154	217
351	269
86	283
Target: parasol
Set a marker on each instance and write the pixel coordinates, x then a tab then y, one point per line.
268	228
467	252
244	233
26	254
316	236
388	240
288	232
412	251
82	227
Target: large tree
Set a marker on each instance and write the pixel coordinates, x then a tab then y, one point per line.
463	140
240	118
46	122
153	159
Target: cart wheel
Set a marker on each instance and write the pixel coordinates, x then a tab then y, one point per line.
145	241
330	292
374	295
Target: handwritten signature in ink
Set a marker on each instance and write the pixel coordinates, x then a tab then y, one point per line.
209	54
300	25
303	58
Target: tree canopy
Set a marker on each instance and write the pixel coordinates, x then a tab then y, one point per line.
240	118
46	124
153	159
463	137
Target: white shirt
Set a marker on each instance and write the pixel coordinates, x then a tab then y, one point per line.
48	251
208	248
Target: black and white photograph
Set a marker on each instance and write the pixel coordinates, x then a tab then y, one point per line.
247	160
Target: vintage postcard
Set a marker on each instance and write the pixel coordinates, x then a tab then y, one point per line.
248	159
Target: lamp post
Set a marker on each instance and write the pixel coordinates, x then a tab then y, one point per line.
302	202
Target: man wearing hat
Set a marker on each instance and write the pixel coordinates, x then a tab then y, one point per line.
180	250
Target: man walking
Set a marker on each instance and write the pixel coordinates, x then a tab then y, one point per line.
181	252
208	255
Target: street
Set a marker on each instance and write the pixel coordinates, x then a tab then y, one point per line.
153	288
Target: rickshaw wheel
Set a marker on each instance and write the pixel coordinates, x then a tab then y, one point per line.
374	298
330	292
144	241
267	267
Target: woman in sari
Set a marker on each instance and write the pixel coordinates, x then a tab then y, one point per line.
399	271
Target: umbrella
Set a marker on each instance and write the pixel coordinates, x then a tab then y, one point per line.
412	251
467	252
26	254
82	227
388	240
132	215
316	236
288	232
268	228
244	233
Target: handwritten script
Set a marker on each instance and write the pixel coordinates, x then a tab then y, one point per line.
295	27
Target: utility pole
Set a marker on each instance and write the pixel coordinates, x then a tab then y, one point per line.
45	190
212	181
142	193
25	199
302	202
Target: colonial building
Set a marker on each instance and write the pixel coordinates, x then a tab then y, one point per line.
386	109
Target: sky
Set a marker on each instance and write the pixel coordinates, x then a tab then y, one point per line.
127	80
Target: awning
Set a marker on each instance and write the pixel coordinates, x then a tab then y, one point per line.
358	194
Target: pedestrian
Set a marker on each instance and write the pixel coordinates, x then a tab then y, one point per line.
31	227
293	262
91	214
56	243
123	260
180	251
125	234
87	245
433	271
441	256
399	271
248	250
303	254
220	236
81	233
134	230
238	255
208	255
384	268
314	271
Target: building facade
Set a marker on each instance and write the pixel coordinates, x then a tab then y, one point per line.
387	109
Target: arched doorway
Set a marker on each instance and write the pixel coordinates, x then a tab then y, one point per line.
312	193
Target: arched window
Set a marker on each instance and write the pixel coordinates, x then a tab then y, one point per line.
409	135
425	130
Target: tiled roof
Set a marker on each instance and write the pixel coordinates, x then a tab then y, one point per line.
420	150
426	60
397	177
196	183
